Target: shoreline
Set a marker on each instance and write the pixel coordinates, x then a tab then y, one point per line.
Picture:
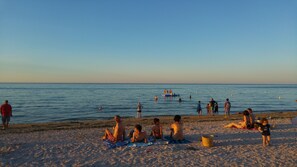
130	121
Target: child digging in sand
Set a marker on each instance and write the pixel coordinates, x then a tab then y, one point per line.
177	129
265	129
157	130
138	135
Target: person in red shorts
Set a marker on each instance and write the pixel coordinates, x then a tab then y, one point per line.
6	113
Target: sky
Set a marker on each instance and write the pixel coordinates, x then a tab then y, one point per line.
153	41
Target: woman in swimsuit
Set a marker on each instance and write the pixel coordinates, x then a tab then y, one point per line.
244	124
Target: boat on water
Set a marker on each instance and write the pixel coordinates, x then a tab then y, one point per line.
170	95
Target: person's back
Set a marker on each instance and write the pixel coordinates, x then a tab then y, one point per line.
6	109
119	131
252	117
157	129
246	119
177	129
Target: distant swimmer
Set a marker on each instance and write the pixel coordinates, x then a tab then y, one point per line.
100	108
180	100
156	98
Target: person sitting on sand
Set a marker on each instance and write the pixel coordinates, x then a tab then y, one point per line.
177	129
241	125
252	117
118	131
138	135
265	130
157	130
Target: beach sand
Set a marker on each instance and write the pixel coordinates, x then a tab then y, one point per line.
80	144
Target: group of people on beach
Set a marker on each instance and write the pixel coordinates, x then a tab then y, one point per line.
176	129
212	107
249	122
137	135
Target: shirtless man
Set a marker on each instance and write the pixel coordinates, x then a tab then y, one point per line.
177	128
138	136
157	130
118	131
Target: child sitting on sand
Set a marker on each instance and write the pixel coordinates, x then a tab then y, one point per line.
118	131
265	130
177	129
157	130
138	135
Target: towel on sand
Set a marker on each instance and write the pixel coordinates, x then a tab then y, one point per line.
110	144
171	141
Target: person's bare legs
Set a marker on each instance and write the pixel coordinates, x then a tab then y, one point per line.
106	134
268	140
264	140
233	125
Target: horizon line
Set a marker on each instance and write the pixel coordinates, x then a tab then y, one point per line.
161	83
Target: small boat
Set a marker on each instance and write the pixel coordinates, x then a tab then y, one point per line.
170	95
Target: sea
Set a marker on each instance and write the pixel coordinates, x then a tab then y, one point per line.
36	103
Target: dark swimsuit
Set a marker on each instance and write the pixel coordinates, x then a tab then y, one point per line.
265	130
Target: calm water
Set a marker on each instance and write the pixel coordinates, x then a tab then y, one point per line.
60	102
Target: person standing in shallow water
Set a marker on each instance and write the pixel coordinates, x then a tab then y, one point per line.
227	107
199	108
6	113
139	109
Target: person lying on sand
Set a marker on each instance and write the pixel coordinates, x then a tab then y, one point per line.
157	130
241	125
138	135
118	131
177	129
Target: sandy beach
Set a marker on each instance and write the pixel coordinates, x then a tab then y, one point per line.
80	144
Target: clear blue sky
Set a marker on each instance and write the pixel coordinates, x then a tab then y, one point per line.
198	41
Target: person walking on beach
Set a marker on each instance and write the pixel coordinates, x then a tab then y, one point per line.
139	108
199	108
227	107
118	131
6	113
265	130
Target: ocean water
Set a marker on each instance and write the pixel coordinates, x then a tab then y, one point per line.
63	102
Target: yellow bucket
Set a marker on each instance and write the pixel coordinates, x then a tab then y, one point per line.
207	140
